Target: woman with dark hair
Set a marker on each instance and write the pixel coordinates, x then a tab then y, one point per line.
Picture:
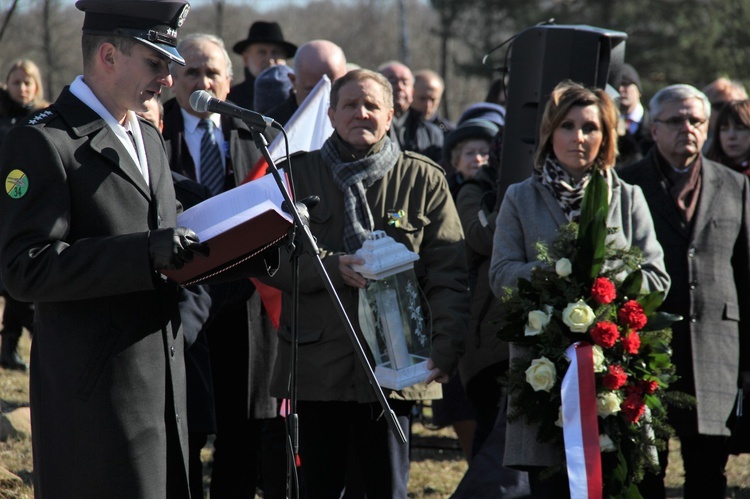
578	139
730	142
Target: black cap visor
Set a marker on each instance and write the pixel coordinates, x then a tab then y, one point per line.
164	49
157	39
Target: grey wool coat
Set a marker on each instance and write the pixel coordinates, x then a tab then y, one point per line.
529	213
710	267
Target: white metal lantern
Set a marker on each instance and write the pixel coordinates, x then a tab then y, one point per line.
390	312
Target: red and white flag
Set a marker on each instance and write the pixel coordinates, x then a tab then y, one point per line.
580	424
307	130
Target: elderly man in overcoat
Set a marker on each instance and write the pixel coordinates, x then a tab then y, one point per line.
241	338
701	213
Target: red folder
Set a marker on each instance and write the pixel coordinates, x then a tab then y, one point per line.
236	225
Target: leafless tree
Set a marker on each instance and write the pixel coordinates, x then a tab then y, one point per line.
219	4
47	49
403	17
7	17
448	12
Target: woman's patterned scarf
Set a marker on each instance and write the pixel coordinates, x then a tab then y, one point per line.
567	192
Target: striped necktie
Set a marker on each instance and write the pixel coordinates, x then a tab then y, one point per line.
212	169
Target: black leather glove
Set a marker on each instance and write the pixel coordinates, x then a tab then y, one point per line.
171	249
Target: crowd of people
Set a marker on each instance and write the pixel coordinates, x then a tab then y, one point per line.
142	372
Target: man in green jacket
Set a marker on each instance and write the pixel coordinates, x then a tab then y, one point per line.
366	183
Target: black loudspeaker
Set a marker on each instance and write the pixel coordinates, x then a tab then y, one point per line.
541	57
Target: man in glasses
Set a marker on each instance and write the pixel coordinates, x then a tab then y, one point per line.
701	213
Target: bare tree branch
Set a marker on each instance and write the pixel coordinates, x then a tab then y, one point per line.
219	17
8	15
47	48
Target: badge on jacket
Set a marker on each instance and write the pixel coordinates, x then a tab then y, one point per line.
16	184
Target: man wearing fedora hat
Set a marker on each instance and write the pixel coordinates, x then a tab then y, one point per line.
88	223
264	47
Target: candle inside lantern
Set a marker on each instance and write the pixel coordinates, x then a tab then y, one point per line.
390	312
393	330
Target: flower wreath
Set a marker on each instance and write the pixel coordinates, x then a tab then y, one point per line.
588	292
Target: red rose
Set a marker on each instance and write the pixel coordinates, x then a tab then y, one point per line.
648	386
605	334
603	291
631	342
636	388
633	407
615	378
631	314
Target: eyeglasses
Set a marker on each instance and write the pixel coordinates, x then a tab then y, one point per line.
677	122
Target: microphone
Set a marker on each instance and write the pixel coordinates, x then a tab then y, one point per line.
202	102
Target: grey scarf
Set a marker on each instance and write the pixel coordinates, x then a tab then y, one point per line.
353	178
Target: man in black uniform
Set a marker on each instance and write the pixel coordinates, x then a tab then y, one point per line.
88	222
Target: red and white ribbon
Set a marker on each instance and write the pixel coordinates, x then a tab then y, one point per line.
580	424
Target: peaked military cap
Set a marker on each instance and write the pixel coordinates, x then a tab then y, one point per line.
153	23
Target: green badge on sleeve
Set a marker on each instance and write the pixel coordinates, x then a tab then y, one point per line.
16	184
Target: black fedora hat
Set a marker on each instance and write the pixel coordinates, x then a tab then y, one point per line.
265	32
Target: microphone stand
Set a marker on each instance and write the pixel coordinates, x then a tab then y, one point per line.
301	234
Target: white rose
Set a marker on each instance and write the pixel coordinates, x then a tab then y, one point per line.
606	444
541	374
578	316
608	403
536	322
598	355
563	267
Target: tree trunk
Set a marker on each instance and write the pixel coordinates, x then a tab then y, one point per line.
8	15
219	18
47	50
403	48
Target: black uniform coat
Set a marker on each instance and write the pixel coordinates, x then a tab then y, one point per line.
709	263
107	368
